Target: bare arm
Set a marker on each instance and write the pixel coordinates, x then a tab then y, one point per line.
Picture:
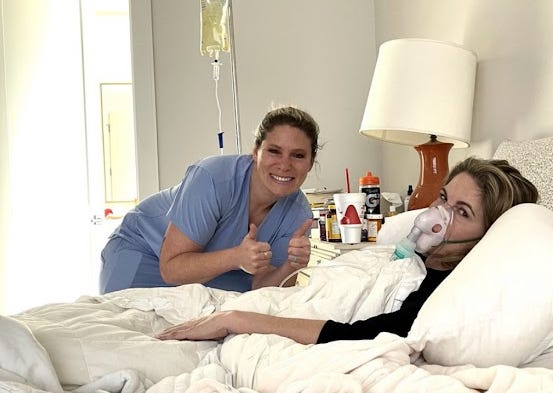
182	261
221	324
299	250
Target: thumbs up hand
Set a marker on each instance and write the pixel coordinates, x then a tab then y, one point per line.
256	256
299	247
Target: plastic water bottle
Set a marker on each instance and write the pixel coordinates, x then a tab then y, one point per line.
370	185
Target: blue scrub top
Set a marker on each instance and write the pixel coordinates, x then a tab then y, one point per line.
211	207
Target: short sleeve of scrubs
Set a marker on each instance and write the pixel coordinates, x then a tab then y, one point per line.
212	209
195	210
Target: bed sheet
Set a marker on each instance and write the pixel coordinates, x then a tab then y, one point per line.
105	342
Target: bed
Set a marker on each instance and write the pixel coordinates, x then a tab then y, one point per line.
487	327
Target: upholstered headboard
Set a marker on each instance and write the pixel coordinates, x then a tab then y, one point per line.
534	159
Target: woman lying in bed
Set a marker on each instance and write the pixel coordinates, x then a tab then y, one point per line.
477	191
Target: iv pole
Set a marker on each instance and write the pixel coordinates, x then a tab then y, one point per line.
237	135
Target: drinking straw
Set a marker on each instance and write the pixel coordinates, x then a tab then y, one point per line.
347	180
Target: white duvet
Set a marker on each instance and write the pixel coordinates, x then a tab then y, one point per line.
105	343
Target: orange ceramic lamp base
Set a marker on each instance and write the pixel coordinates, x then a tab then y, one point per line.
434	168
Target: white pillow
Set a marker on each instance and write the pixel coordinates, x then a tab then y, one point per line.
397	227
23	359
496	307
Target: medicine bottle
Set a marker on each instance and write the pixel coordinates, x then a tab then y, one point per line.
407	198
332	227
370	185
322	224
374	223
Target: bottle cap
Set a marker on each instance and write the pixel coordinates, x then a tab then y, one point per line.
374	216
369	179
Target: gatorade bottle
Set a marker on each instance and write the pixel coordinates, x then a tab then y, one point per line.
370	185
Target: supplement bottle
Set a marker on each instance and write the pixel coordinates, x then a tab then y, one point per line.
370	185
374	223
322	224
332	227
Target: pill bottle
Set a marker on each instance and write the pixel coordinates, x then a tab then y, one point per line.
374	223
332	227
407	198
322	224
370	185
364	230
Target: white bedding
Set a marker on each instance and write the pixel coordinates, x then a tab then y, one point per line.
105	343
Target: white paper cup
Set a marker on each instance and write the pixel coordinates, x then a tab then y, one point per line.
351	233
343	200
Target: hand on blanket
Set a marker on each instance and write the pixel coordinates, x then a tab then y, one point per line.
299	247
211	327
220	324
257	255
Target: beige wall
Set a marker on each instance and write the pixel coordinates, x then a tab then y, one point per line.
320	55
514	91
317	54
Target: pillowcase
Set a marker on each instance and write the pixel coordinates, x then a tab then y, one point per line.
496	307
397	227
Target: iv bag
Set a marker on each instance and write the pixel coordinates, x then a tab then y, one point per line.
214	27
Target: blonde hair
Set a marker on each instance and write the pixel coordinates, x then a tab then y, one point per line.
502	186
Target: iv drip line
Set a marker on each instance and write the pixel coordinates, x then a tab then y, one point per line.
217	34
216	69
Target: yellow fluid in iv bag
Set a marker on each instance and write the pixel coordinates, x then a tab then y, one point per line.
214	27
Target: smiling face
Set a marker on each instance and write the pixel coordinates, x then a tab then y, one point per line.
282	162
465	197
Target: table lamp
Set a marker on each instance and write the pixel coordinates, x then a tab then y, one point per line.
422	90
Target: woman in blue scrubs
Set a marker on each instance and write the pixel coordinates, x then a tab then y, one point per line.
235	222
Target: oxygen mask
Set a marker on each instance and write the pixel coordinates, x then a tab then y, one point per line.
430	227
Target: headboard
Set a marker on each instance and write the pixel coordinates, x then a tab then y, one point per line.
534	159
474	316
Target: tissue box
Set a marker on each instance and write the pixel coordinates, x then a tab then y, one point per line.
389	198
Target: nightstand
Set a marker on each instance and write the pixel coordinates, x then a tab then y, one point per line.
325	251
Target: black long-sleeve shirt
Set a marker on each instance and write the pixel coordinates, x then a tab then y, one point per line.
398	322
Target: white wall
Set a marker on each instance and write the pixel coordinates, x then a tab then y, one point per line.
4	173
320	55
514	91
44	224
317	54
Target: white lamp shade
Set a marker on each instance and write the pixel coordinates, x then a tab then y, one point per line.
421	87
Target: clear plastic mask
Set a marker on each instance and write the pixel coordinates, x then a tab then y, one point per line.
430	227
